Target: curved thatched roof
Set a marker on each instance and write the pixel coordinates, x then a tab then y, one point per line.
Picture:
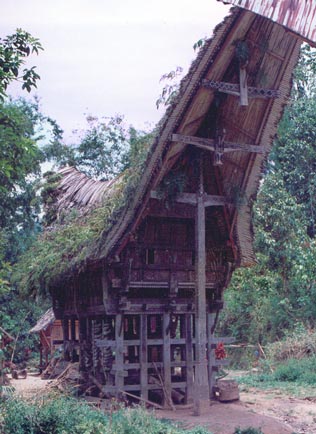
272	66
298	16
257	123
77	190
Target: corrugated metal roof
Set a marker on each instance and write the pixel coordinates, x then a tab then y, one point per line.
296	15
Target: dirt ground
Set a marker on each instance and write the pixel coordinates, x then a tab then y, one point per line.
272	411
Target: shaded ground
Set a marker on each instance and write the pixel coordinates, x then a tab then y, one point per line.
272	411
30	387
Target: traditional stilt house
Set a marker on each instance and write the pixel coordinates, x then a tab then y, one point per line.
148	303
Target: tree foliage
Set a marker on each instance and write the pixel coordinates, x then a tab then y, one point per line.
279	292
21	133
105	149
14	49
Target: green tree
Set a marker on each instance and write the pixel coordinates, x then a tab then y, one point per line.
21	134
14	49
267	296
106	148
280	290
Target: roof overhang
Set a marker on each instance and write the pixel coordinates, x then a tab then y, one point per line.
45	320
298	16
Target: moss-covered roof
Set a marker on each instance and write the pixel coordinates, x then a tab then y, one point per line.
114	207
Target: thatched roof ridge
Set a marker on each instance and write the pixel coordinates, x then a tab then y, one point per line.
77	190
45	321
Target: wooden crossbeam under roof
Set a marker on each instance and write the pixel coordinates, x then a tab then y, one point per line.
210	144
234	89
191	199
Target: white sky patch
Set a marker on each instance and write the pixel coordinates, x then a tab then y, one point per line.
104	56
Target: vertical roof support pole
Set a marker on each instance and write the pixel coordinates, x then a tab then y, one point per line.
243	87
201	386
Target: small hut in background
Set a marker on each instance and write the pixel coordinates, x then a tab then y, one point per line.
50	334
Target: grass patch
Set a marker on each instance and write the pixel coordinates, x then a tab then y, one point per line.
295	377
63	415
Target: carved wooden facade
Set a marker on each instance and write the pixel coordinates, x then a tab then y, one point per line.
148	306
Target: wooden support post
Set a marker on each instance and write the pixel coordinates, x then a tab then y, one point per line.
243	87
105	290
119	356
66	338
189	358
201	387
73	329
143	357
167	356
211	353
82	342
41	354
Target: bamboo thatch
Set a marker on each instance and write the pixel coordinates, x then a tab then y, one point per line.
77	190
274	53
298	16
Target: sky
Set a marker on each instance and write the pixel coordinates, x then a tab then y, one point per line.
106	57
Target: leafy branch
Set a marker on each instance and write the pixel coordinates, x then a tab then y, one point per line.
14	49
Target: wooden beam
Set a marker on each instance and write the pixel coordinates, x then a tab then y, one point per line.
187	198
243	98
211	353
191	199
201	142
143	357
119	353
234	89
209	144
201	385
189	358
65	326
167	358
212	200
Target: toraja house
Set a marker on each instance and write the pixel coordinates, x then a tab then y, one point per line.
148	304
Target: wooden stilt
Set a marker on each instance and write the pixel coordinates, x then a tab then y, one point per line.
167	356
66	338
119	356
189	358
41	355
201	387
82	342
211	353
143	357
73	329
